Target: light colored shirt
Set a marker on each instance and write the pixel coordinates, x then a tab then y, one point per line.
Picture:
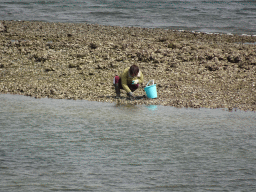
127	79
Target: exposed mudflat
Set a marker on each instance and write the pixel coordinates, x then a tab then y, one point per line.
79	61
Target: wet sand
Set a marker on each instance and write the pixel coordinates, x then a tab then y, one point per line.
79	61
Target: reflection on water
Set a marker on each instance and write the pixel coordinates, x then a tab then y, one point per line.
65	145
152	107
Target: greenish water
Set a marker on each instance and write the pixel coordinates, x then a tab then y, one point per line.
65	145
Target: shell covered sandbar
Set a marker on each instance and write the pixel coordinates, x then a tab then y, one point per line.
80	60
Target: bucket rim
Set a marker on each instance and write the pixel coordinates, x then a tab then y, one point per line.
150	86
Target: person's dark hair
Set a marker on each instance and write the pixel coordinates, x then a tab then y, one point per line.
134	70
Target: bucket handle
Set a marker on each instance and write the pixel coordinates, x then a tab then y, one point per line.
151	81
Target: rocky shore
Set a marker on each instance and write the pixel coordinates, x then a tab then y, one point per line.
79	61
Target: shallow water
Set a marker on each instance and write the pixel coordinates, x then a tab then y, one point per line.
66	145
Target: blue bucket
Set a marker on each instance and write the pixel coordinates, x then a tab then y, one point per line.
151	90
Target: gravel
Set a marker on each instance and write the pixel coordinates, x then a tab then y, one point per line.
80	60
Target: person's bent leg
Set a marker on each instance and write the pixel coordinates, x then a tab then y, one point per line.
133	87
116	85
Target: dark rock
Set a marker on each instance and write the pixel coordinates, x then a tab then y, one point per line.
100	67
212	67
49	69
233	59
173	65
93	46
172	46
72	65
3	28
244	66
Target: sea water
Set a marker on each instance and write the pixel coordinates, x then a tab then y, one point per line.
219	16
67	145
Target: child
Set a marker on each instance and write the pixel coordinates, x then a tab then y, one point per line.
129	81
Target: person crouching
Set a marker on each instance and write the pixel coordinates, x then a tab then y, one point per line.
129	81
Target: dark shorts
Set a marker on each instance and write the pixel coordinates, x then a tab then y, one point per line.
131	86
